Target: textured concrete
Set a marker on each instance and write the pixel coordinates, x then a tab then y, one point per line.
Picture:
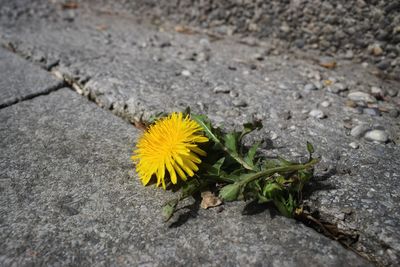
21	80
137	70
69	197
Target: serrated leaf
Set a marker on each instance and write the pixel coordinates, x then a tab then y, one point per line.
249	158
218	165
169	209
261	199
285	207
269	164
157	116
284	162
270	190
215	169
230	192
231	142
203	121
310	148
190	187
305	176
186	112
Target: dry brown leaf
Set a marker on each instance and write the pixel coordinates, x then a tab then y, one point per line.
209	200
70	5
328	64
139	124
101	27
183	29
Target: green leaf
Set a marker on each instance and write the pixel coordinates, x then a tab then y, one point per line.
285	207
310	148
169	209
186	112
203	121
190	187
218	165
305	176
230	192
231	142
270	190
249	158
269	164
215	169
157	116
261	199
284	162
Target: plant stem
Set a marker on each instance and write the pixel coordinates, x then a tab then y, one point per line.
296	167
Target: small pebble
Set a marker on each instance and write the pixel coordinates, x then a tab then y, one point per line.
354	145
325	104
359	130
349	54
310	87
186	73
274	136
337	88
239	103
377	92
351	104
233	94
392	92
327	62
377	136
317	113
221	89
376	50
296	95
371	111
319	85
361	96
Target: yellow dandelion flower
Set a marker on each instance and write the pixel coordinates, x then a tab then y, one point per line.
170	145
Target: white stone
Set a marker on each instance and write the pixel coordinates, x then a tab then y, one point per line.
317	113
377	135
361	96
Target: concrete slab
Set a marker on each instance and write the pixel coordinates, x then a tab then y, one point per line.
21	80
69	196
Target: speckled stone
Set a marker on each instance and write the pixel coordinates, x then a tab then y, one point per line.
69	196
21	80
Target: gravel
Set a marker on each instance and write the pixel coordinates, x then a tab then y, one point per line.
317	113
367	30
361	96
359	130
377	135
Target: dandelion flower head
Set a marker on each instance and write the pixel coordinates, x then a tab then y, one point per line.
169	145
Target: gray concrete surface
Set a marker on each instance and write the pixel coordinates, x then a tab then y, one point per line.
69	197
134	70
21	80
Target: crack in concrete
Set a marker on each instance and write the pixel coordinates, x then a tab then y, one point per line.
33	95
